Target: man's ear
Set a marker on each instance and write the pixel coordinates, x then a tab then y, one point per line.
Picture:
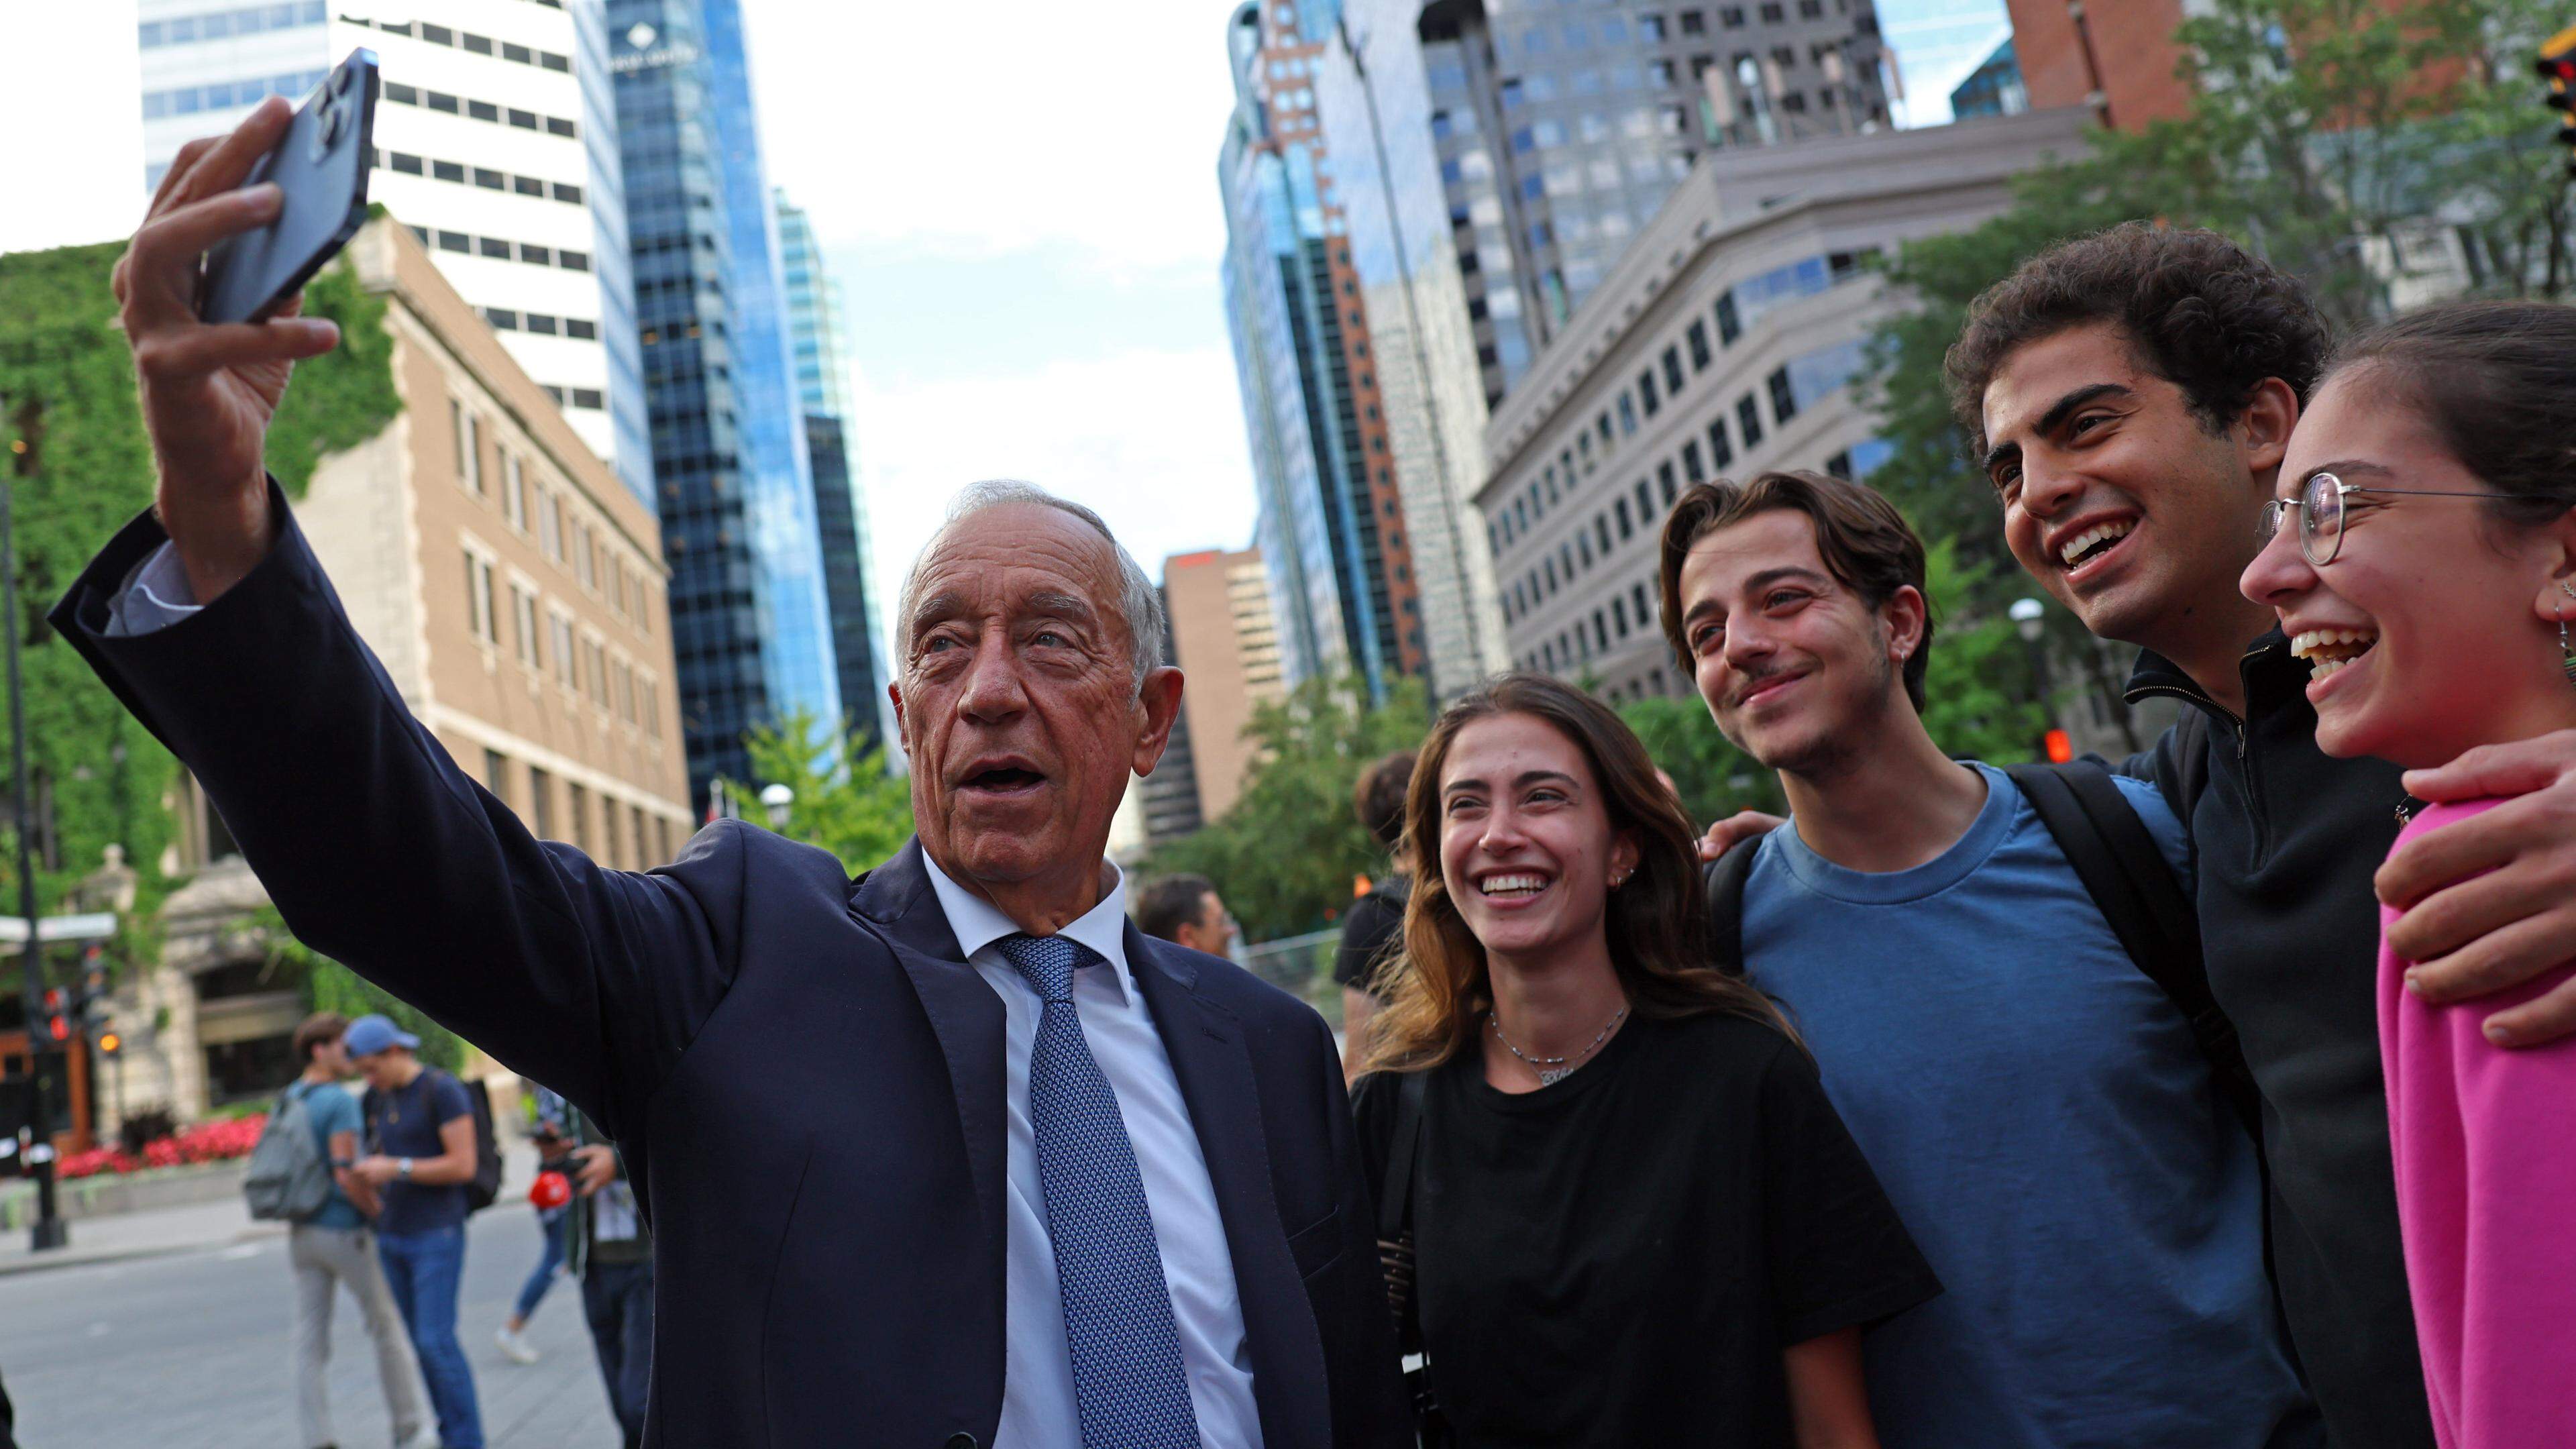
2553	602
2265	426
894	696
1160	703
1906	612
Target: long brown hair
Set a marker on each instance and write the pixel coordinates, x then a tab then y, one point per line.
1657	923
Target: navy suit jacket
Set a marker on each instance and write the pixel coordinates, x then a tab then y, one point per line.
804	1076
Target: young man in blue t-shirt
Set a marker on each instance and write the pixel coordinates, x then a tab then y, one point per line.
420	1132
2036	1108
335	1248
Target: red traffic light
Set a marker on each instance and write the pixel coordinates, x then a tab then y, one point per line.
2060	748
59	1027
2559	68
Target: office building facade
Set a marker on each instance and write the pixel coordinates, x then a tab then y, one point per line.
512	588
840	502
496	142
750	616
1725	345
1994	88
1331	521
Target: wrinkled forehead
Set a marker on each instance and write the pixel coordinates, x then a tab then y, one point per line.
1013	561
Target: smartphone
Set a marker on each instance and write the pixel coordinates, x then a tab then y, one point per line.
321	170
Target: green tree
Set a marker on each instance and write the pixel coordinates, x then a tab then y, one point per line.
1978	695
1286	855
845	800
1715	778
80	468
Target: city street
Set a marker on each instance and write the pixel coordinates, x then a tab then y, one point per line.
191	1349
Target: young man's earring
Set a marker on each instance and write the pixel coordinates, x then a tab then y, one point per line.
2566	653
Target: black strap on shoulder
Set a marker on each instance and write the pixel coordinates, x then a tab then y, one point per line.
2191	758
1395	1200
1725	878
2116	858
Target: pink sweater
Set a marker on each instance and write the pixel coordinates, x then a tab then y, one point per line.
2485	1143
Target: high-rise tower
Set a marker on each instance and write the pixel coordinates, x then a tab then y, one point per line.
748	605
496	143
840	504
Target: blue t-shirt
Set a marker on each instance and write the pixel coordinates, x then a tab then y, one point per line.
2046	1126
331	1109
405	1124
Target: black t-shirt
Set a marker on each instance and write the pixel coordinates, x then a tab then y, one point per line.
1375	924
1621	1258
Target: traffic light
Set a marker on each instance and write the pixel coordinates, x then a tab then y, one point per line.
2057	747
96	1014
110	1043
58	1022
2558	67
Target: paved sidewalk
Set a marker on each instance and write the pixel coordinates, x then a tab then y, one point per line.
141	1235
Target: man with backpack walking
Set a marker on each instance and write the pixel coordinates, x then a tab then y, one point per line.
2068	1149
421	1132
300	1172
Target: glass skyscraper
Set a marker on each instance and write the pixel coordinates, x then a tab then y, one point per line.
840	505
749	613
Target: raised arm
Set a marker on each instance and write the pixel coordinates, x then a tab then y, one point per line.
379	851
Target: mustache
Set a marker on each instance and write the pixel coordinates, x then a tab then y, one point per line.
1753	678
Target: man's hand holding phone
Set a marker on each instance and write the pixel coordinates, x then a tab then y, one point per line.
209	391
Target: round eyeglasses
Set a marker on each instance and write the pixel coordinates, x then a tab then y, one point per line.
2320	509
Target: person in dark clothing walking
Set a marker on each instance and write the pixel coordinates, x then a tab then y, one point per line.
1372	930
610	1251
2130	395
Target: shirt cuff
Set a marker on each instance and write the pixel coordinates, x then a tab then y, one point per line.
156	596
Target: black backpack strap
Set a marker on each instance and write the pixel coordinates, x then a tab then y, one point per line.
1395	1198
2114	855
1725	878
2191	761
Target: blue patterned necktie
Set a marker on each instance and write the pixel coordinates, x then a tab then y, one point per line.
1128	1381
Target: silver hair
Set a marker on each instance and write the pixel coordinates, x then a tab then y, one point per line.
1139	602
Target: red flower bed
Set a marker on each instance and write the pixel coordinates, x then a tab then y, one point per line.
206	1142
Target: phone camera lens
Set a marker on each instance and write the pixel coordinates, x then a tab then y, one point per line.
341	79
328	122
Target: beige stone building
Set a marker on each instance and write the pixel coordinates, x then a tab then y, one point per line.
1226	641
515	591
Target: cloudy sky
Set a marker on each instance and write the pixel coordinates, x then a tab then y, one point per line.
1022	210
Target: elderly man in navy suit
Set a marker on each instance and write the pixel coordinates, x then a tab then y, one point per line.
948	1155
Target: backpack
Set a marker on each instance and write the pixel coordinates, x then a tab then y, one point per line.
289	1177
2111	852
484	1187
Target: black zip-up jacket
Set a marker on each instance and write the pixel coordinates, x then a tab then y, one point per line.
2285	840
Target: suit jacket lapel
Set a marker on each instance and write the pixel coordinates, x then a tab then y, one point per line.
897	900
1209	1060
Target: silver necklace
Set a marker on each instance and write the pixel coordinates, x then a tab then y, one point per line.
1552	1070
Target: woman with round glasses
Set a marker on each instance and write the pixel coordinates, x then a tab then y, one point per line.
1633	1215
2422	559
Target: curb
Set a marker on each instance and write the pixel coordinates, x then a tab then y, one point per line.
22	1262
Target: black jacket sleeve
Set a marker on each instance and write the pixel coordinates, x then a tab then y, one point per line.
382	854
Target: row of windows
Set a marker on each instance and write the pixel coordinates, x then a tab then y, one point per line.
544	324
224	24
483	176
582	663
1736	309
224	95
621	834
1575	36
473	110
569	542
468	41
500	250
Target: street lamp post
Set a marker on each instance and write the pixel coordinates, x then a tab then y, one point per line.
774	801
50	1230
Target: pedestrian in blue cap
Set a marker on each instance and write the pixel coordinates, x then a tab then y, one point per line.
420	1138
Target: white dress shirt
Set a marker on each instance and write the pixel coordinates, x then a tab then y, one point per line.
156	596
1038	1410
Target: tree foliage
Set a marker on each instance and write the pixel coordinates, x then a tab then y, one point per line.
2332	136
844	799
79	468
1286	855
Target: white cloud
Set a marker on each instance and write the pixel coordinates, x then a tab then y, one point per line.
1152	440
1000	126
71	123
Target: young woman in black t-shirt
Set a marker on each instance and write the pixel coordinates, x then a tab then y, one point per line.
1635	1217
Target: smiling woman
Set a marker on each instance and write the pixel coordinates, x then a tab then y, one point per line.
1553	1029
